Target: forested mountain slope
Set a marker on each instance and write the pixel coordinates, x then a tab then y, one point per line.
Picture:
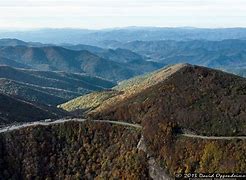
200	99
16	110
180	99
48	87
73	150
215	54
55	58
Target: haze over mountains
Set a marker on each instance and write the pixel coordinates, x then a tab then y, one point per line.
128	59
92	37
130	103
218	54
55	58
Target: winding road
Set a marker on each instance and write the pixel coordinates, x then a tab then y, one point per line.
214	137
49	122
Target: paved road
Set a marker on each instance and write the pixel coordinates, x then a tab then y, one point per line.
214	137
43	123
119	123
48	122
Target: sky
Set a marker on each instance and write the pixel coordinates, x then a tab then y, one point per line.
98	14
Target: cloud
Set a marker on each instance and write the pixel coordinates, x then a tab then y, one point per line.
119	3
111	13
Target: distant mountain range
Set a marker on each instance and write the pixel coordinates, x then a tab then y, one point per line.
216	54
146	55
121	64
124	60
117	55
94	37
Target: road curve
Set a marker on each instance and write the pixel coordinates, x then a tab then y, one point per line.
46	123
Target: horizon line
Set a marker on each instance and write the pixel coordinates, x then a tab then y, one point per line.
113	28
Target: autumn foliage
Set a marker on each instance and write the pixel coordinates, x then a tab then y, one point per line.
72	150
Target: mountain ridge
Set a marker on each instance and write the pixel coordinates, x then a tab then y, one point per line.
200	100
93	37
14	110
53	87
123	90
187	87
56	58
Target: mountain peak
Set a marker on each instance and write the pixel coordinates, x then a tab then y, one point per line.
196	98
123	90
